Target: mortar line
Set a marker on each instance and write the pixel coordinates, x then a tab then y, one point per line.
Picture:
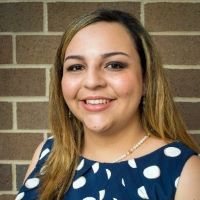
47	71
45	18
142	14
49	33
25	99
8	192
27	131
14	51
14	115
181	66
25	66
14	178
32	33
15	162
149	1
187	99
175	33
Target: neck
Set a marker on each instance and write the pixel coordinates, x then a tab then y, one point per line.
106	147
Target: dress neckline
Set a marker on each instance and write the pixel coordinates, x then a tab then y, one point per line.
145	156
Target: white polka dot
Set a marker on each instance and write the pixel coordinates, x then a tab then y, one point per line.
108	173
172	151
32	183
132	163
80	182
114	199
101	194
44	153
80	166
95	167
142	192
89	198
176	182
20	196
152	172
123	183
42	170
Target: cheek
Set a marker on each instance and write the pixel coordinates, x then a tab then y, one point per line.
69	88
127	85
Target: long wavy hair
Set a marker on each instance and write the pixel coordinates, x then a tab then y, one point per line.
159	117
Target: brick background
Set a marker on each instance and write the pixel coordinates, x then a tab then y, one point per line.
184	82
20	174
7	197
16	17
29	35
172	17
18	146
69	11
6	177
6	115
190	113
22	82
6	49
179	49
32	115
36	49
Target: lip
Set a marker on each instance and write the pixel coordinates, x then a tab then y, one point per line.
96	107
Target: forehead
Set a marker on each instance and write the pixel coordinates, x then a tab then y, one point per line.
103	36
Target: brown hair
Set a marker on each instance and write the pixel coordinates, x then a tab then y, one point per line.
160	116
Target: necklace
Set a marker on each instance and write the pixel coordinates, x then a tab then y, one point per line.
130	151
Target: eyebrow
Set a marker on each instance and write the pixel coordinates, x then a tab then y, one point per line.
105	55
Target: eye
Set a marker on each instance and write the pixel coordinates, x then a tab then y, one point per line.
115	65
75	67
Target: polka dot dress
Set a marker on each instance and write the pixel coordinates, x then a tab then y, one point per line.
154	176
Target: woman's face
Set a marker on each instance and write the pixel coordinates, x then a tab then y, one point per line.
102	80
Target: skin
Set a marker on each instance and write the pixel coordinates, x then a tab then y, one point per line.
95	50
110	132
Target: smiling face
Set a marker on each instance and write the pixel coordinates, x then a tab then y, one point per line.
102	80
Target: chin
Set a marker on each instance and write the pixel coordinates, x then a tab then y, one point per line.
97	128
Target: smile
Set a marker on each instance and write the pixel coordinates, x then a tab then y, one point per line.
97	101
96	104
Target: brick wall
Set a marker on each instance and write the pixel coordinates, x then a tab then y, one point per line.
29	35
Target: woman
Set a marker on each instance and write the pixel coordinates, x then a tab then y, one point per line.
116	131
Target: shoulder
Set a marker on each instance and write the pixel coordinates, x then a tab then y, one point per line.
188	186
41	151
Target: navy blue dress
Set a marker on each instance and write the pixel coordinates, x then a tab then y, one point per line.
154	176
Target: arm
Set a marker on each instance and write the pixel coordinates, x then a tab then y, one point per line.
189	182
34	160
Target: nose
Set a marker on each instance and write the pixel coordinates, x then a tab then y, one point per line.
94	79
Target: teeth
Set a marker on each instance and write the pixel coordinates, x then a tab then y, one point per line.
97	101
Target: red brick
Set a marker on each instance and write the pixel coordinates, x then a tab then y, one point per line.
17	17
18	146
5	115
6	177
61	14
36	49
5	49
32	115
172	16
184	82
196	138
179	49
22	82
190	113
7	197
20	174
